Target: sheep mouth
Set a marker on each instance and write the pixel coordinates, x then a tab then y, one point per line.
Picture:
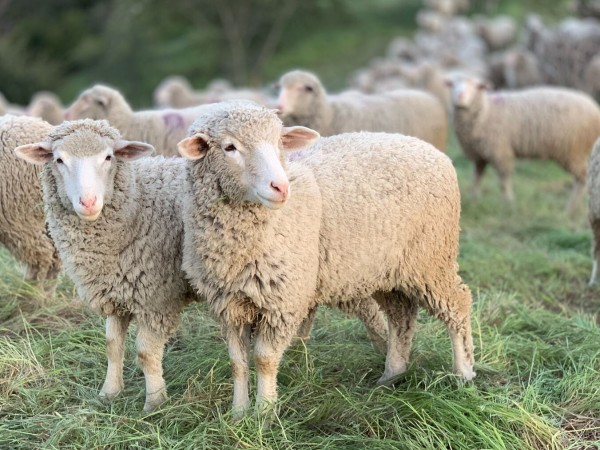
271	203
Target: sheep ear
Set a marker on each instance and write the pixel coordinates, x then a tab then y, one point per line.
485	86
296	138
39	153
449	82
194	147
132	150
101	99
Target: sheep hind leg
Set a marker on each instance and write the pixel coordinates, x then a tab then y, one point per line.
576	196
368	311
480	166
238	342
116	331
401	312
150	349
595	250
455	312
307	324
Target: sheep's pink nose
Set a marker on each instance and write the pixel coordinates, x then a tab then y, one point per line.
88	202
281	188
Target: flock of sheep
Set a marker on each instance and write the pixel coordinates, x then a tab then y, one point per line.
280	205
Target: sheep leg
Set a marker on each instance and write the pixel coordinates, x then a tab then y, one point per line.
268	351
576	195
116	331
402	314
368	311
238	341
480	166
150	349
306	325
455	312
504	167
595	250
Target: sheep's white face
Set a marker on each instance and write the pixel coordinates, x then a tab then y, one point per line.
465	90
85	177
297	96
257	167
91	104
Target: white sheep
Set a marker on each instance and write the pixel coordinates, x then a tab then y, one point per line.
356	215
162	129
22	224
304	101
548	123
117	224
47	106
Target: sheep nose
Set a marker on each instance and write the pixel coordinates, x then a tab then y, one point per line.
281	188
88	202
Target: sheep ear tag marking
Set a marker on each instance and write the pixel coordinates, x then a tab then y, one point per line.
296	138
39	153
194	147
132	150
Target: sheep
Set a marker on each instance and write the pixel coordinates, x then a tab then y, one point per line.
22	226
116	222
593	179
162	129
545	122
521	69
370	214
498	33
592	78
304	101
47	106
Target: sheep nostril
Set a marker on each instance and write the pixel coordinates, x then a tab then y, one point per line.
281	188
88	202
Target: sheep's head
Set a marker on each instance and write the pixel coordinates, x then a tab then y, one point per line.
96	103
299	92
82	156
465	89
243	144
171	88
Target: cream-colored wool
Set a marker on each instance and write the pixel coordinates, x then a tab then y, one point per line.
126	264
369	214
22	226
163	129
48	107
410	112
593	186
545	123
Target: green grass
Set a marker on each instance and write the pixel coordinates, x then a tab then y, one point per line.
535	328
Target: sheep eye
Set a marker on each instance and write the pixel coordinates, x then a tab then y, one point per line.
59	161
230	148
308	88
108	157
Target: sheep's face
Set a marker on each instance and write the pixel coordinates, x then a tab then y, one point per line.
465	91
84	167
246	152
94	103
299	92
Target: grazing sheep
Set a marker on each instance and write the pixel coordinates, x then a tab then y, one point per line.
303	101
22	226
162	129
369	214
116	222
47	106
548	123
593	181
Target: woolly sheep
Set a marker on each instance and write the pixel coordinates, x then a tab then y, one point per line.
22	226
116	222
304	101
498	32
547	123
47	106
162	129
594	207
521	69
352	227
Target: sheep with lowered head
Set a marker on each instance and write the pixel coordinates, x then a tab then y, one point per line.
47	106
22	225
116	222
545	123
356	215
162	128
304	101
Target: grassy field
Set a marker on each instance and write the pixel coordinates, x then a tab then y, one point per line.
535	326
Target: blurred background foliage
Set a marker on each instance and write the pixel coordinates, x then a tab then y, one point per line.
67	45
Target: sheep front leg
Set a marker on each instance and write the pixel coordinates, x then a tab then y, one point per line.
576	195
238	341
595	250
116	331
268	351
150	349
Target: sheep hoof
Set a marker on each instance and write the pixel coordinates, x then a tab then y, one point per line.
154	401
466	372
106	396
388	381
